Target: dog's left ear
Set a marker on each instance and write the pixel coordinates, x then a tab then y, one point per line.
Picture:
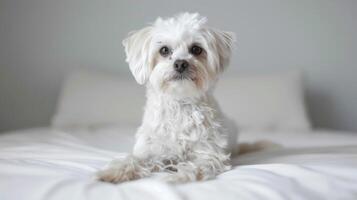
223	42
137	49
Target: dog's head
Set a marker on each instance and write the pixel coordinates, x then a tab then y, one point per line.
180	56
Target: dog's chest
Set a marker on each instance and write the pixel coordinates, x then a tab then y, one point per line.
184	122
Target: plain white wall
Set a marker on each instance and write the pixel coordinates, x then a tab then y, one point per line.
42	40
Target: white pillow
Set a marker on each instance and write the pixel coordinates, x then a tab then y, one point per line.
258	102
90	98
264	102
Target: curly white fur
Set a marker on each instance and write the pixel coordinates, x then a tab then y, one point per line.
183	130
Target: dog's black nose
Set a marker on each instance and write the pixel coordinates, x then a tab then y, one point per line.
181	65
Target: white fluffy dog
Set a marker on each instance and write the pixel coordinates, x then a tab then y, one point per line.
183	131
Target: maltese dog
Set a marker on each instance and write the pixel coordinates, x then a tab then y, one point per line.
183	131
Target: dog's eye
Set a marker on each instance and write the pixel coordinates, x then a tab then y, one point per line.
164	51
196	50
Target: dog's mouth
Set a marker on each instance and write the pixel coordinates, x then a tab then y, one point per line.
182	76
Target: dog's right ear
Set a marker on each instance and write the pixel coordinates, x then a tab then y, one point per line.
137	51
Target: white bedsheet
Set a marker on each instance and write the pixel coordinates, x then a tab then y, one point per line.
48	164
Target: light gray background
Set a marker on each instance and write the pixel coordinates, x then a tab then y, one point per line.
42	40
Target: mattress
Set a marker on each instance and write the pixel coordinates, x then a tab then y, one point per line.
46	164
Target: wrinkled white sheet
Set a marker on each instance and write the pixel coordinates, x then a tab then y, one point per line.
48	164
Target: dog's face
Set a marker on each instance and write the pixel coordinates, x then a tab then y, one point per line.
179	56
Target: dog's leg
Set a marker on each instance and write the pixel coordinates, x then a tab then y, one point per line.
127	169
198	169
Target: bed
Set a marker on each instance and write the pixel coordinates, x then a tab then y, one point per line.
46	163
90	128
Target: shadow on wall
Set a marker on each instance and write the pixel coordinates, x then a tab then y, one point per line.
321	109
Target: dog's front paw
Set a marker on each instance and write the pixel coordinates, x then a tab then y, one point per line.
185	174
113	175
182	177
123	170
176	179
